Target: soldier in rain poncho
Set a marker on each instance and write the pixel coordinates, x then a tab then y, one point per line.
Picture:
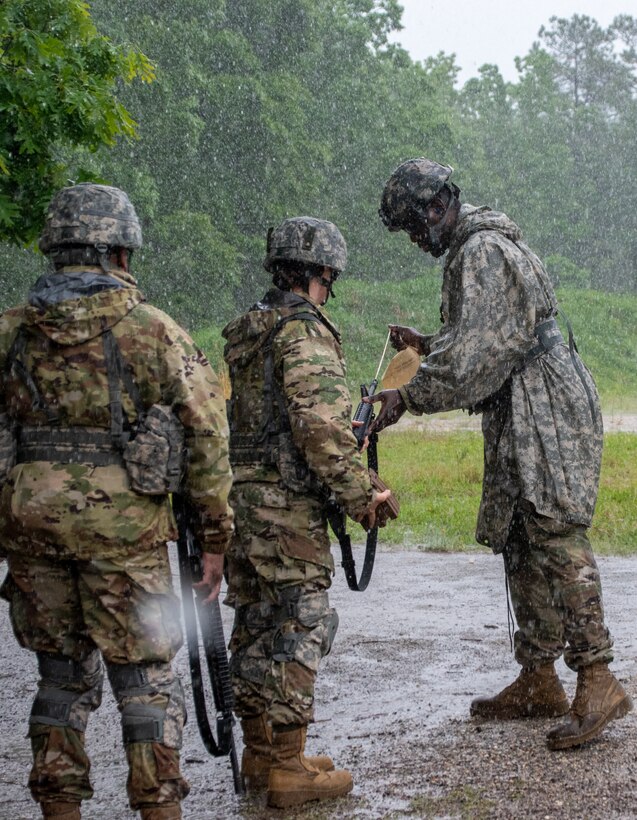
499	352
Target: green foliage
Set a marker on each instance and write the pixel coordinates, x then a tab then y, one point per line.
266	110
57	83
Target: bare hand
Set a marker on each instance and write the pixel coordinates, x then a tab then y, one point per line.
212	574
369	518
401	337
366	439
392	408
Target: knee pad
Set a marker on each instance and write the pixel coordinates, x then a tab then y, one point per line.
68	690
151	701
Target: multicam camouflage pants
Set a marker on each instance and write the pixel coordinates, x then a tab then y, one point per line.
127	612
279	568
556	593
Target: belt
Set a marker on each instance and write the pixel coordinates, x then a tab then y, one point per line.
68	445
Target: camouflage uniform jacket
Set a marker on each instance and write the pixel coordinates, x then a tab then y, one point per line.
81	511
542	442
310	371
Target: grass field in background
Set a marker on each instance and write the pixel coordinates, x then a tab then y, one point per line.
437	478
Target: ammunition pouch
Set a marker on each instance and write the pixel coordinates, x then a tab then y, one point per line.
154	458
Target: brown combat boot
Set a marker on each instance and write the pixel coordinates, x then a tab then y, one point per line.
60	811
164	811
256	760
293	781
536	692
599	698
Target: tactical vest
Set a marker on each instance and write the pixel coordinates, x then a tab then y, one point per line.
273	445
151	449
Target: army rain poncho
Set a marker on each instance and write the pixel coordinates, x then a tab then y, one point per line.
542	428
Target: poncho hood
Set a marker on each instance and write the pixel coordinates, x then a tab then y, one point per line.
76	304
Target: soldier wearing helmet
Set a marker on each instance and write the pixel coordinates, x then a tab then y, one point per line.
291	446
89	585
500	352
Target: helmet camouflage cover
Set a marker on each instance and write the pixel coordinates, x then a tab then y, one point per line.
308	240
91	214
409	189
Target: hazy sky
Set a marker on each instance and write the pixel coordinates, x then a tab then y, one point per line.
491	31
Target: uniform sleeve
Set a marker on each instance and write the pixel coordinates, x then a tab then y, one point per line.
320	409
197	398
487	335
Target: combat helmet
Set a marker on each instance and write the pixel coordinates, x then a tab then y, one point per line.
91	214
409	189
307	240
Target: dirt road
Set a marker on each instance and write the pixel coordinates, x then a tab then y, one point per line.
392	706
614	422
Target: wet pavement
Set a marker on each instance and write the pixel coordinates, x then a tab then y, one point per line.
392	700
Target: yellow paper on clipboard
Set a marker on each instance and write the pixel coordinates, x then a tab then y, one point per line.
402	368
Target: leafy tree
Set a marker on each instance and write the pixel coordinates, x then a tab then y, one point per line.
58	78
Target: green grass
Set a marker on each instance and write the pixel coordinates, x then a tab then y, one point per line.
437	479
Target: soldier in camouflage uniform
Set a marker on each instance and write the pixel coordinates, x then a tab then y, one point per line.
88	576
291	444
500	352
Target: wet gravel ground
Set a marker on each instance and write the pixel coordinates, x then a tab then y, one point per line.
393	707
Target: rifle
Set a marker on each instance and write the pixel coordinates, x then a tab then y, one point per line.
335	513
207	621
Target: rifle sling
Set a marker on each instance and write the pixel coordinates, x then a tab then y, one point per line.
337	521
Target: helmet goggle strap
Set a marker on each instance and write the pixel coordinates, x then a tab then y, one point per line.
329	283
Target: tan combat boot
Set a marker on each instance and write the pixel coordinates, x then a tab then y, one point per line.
60	811
599	698
293	781
257	754
164	811
536	692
